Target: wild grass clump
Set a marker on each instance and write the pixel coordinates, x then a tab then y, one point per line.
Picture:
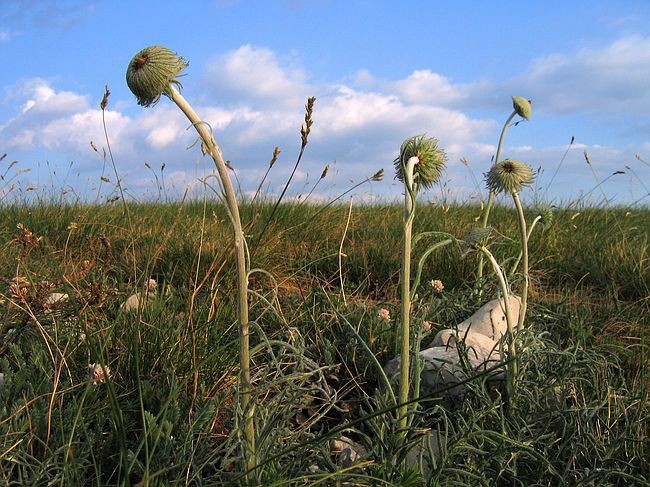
580	388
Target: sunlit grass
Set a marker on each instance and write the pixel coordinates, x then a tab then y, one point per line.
165	413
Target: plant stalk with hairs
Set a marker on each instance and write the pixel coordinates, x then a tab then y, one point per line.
152	73
522	107
419	165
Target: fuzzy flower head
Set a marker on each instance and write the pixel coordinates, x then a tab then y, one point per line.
426	326
509	176
522	106
384	314
437	285
151	72
431	160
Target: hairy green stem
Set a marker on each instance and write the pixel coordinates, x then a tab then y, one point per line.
513	269
242	272
512	370
523	235
490	201
409	214
430	250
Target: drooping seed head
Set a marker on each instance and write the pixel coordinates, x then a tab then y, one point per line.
546	217
523	106
478	236
151	73
431	160
509	176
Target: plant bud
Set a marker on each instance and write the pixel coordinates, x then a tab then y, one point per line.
522	106
151	73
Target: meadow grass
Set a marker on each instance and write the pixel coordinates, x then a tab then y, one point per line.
166	413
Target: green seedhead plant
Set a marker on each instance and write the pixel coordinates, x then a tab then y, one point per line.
522	107
511	177
419	165
152	73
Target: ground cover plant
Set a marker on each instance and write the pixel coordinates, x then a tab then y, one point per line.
95	392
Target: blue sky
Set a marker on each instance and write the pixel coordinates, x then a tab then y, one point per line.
380	71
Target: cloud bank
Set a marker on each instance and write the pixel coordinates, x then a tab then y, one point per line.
255	99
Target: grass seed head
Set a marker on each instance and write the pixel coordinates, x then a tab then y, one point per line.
432	160
510	176
151	72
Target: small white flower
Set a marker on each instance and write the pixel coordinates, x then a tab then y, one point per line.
384	314
96	372
437	285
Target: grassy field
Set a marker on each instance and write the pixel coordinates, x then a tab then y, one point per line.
166	411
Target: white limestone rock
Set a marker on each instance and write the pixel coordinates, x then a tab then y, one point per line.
474	342
445	364
442	366
132	303
490	319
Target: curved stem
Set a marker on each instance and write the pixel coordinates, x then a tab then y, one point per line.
490	201
537	219
418	273
409	214
242	272
523	235
512	348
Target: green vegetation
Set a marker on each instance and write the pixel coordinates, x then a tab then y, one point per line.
166	410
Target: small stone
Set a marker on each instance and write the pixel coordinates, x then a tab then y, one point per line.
132	303
347	450
55	300
137	300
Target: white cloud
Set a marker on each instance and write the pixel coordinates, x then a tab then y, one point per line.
160	127
256	73
40	97
424	86
61	120
359	124
612	79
